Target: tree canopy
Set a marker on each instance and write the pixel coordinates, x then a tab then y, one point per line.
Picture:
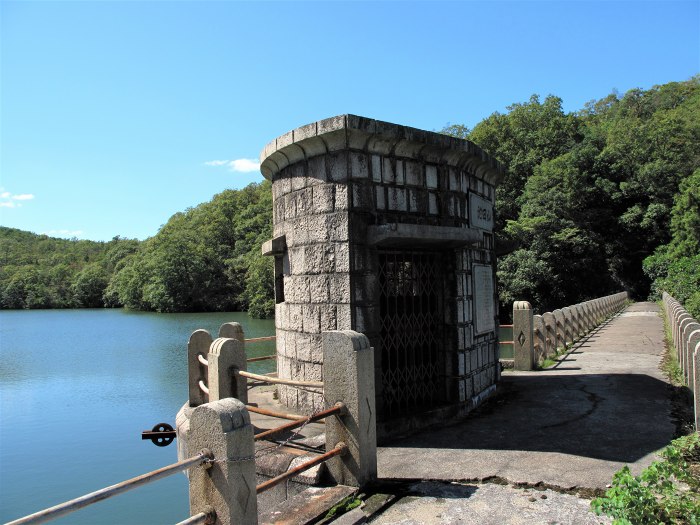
588	196
206	258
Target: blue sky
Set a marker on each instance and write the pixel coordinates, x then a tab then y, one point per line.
115	115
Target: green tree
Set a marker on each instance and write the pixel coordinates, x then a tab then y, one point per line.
89	286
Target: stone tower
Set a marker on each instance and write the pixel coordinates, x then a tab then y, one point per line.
386	230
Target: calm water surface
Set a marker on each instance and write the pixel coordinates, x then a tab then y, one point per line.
77	387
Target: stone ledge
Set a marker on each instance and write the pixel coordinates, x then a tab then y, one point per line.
398	234
307	507
275	246
345	132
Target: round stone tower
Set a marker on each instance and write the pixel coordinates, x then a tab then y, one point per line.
386	230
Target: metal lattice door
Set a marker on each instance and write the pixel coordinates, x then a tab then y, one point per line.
412	324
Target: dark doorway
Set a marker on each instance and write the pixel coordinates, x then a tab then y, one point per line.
412	321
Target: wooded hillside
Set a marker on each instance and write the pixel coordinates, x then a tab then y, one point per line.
601	200
589	196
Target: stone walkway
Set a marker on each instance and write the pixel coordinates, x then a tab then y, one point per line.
571	427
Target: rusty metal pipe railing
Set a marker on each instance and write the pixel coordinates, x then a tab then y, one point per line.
260	339
339	449
205	518
337	409
272	413
88	499
262	358
278	381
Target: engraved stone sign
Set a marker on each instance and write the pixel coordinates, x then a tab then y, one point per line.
480	212
484	312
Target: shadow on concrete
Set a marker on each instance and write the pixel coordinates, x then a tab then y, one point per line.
613	417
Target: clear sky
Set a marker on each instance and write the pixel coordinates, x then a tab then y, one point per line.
115	115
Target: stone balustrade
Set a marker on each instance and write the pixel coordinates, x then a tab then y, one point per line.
216	418
685	331
538	337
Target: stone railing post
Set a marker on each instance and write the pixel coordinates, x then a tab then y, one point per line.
226	358
568	328
587	320
560	341
550	337
599	314
523	336
577	314
691	337
232	330
348	377
199	344
696	384
539	339
227	486
686	339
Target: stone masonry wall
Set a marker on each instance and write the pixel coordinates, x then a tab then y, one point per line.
335	180
312	213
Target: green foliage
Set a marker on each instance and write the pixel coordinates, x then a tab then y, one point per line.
38	271
89	286
685	219
459	131
667	492
343	506
204	259
528	134
588	196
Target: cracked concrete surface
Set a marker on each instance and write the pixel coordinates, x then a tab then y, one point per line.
487	504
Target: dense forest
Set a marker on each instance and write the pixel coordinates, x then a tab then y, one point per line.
596	201
601	200
206	258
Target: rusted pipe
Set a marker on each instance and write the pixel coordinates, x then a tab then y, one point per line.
272	413
337	409
88	499
260	339
339	449
263	358
205	518
278	381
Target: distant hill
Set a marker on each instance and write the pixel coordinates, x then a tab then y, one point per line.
206	258
38	271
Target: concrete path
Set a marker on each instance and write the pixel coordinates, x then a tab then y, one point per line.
488	504
603	406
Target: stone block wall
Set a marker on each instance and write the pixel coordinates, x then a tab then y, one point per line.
312	215
346	188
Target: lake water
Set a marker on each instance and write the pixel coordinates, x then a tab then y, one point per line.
77	387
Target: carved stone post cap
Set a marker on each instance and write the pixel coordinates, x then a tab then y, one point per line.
522	305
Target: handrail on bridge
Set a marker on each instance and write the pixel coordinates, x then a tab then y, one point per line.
67	507
339	408
340	449
278	381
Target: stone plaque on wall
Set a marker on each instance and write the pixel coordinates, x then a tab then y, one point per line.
480	213
484	313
